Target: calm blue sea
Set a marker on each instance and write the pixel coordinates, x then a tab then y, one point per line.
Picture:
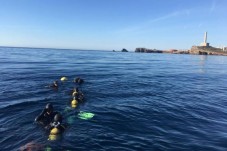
141	102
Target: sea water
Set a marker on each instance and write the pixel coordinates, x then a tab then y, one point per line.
140	101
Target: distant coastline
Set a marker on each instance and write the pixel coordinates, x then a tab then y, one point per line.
195	50
203	49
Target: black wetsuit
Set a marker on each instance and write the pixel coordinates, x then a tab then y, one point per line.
78	94
79	81
45	117
80	98
54	86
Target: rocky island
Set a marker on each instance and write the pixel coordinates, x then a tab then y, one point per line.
124	50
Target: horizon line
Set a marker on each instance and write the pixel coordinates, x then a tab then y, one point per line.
26	47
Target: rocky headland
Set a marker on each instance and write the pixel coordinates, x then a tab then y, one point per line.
203	49
195	50
172	51
207	50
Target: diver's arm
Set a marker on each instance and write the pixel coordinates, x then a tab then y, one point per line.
39	117
49	127
61	128
81	93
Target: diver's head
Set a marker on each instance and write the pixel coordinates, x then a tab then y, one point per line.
58	118
80	81
76	79
49	108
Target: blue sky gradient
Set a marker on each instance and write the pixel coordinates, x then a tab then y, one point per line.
112	24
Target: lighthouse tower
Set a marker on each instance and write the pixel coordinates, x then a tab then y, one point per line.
205	44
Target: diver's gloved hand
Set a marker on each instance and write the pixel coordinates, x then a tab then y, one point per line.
36	119
48	127
52	125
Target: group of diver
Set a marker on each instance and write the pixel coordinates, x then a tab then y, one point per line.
52	120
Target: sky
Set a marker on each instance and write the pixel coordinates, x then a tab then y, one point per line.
112	24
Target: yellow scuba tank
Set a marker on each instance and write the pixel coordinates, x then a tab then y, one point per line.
64	79
54	133
74	103
53	137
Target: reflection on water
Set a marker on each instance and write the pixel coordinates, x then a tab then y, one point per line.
202	63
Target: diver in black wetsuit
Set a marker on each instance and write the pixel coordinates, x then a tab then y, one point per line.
78	94
75	91
54	85
56	128
57	124
78	80
46	116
